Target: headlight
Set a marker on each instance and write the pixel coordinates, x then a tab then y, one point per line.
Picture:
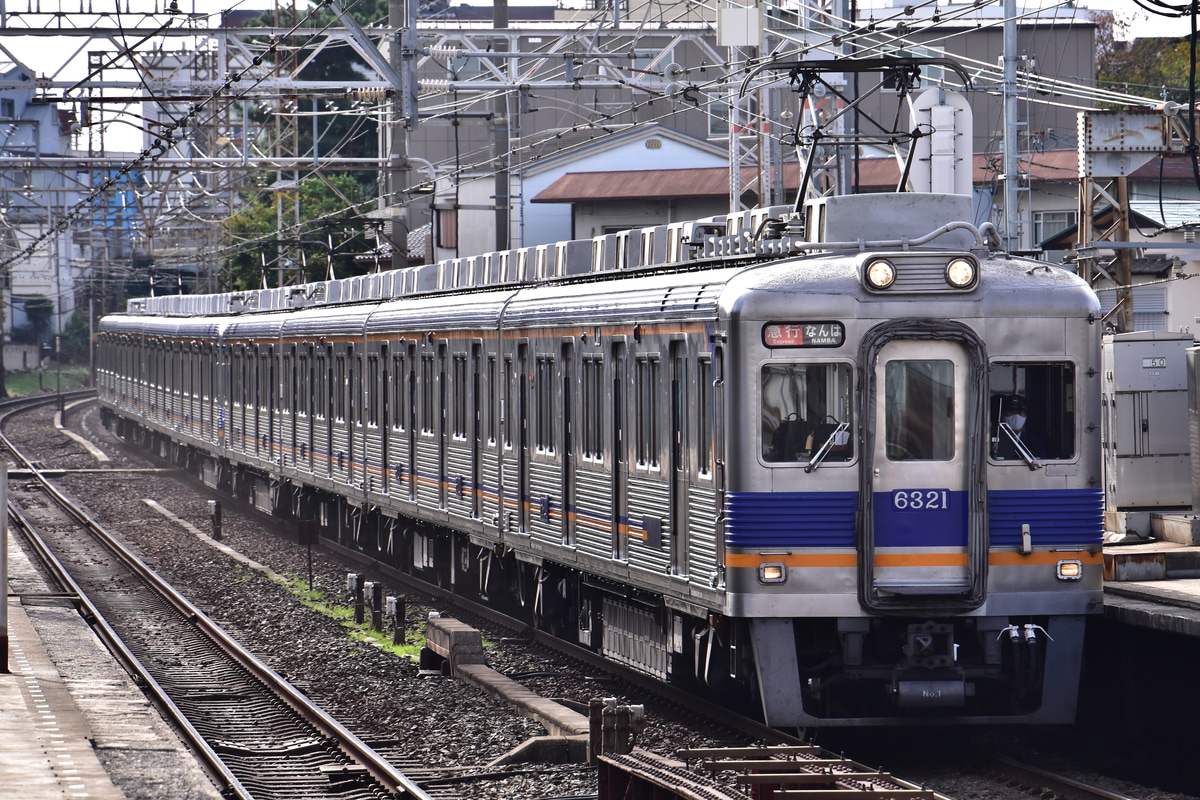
960	273
1070	570
772	573
880	274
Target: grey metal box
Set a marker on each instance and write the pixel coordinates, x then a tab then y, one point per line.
1193	382
1147	457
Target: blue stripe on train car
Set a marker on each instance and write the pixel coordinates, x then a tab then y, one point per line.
761	520
921	518
1055	517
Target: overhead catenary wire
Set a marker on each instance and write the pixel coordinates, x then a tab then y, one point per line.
596	128
623	128
151	155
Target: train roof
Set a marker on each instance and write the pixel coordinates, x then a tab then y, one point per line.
830	224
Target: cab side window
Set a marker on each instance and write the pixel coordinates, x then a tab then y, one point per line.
806	407
1033	403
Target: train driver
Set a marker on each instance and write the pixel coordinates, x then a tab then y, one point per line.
1013	411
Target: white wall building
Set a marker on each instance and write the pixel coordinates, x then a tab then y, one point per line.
470	214
36	193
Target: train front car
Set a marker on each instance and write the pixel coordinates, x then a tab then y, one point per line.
915	534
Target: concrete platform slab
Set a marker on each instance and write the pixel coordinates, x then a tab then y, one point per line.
46	744
72	722
1156	560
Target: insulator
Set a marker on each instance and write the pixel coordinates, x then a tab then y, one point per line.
371	93
446	52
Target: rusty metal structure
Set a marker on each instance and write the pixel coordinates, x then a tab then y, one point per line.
1112	145
784	771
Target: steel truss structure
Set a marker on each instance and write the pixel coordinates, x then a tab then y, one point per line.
220	109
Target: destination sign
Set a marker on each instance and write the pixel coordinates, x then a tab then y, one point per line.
804	334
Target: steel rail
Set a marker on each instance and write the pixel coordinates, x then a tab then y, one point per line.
96	620
681	697
354	748
1050	785
226	780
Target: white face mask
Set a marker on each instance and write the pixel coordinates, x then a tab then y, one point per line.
1015	421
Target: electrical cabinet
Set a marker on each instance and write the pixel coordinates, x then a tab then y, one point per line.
1147	455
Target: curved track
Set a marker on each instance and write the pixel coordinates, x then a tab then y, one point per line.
259	736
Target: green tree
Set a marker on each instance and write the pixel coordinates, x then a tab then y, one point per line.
348	135
76	338
329	232
1153	68
39	309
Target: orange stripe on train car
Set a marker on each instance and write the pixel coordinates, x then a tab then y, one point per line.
792	559
920	559
999	559
1044	558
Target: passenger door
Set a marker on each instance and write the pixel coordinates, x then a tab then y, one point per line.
921	545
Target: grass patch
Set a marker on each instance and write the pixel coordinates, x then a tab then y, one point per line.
410	648
343	613
23	384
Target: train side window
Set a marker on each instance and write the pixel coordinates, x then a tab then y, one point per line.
458	422
506	408
490	411
302	381
704	417
372	391
267	389
398	381
591	422
1035	401
427	394
289	380
244	385
320	384
249	358
544	392
804	406
646	391
354	404
339	388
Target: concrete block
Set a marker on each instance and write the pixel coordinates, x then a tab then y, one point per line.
454	641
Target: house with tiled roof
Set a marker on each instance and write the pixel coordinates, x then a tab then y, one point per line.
1165	214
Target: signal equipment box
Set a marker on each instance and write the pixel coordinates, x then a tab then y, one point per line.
1147	458
1193	379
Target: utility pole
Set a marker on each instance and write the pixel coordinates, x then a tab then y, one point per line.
740	29
1012	231
402	15
500	139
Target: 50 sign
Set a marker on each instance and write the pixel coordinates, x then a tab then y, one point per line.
921	499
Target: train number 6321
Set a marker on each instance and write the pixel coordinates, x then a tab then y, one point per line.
921	499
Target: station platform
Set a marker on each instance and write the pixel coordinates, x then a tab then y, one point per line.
72	722
1155	583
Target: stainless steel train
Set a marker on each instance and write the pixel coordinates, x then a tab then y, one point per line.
844	464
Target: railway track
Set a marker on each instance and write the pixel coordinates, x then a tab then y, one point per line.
1048	785
1038	784
473	612
257	734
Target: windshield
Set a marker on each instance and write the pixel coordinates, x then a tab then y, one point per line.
803	406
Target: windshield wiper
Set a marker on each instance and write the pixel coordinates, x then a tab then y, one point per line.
819	456
1020	447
